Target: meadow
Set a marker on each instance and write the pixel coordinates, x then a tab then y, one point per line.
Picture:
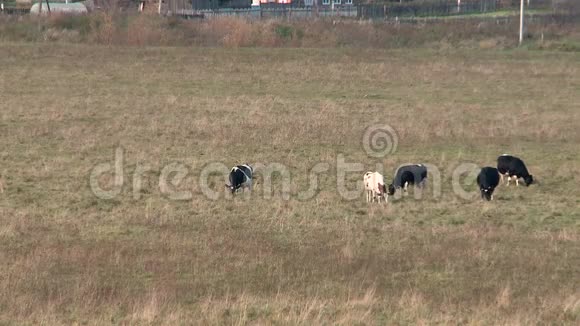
69	257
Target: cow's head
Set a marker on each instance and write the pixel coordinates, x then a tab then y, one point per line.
391	189
232	188
486	193
382	189
529	180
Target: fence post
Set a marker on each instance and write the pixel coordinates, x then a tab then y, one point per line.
521	21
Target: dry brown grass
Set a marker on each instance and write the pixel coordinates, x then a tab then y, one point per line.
69	257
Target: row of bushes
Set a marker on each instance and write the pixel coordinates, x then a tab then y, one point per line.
140	30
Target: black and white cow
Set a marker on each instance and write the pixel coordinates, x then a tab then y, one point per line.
415	174
241	177
487	180
513	167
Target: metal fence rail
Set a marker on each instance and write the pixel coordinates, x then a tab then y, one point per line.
434	8
539	19
273	12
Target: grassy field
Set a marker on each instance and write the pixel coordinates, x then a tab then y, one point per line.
69	257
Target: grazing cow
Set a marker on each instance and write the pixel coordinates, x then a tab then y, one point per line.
415	174
375	187
241	177
513	167
487	180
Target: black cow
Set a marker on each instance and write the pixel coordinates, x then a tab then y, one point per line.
487	180
415	174
241	177
513	167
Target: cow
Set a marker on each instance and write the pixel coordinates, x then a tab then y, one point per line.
240	177
513	167
487	180
415	174
375	187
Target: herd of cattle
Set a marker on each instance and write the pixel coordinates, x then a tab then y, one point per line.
511	167
488	178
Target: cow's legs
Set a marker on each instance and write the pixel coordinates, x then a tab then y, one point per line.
517	181
509	178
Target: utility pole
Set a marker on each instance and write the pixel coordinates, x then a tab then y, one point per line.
521	22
